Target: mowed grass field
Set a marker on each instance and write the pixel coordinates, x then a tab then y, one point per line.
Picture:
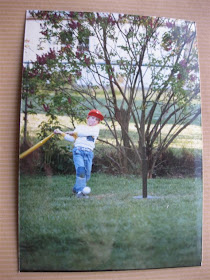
111	230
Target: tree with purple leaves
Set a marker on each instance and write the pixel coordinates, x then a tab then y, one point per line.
146	68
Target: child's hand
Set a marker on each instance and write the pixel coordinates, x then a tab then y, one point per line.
57	131
70	132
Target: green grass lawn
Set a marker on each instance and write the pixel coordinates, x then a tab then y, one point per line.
111	230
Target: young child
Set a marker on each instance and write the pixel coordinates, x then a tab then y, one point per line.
84	137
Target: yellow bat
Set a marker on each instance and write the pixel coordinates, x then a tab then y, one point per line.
36	146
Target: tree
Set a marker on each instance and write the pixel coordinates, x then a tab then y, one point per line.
147	69
44	90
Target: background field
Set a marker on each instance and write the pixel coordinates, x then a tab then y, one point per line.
111	230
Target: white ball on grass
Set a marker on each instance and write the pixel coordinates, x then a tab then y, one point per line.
86	190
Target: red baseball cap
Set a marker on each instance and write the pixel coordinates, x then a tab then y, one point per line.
96	113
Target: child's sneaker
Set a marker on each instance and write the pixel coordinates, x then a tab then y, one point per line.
81	195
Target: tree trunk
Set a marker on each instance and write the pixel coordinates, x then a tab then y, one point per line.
144	168
25	120
150	171
144	172
151	164
123	118
143	151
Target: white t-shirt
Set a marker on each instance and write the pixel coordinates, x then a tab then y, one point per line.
87	136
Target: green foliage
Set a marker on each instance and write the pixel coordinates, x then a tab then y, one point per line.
55	159
45	88
111	230
124	50
66	37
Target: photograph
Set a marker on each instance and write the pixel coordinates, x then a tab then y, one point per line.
110	143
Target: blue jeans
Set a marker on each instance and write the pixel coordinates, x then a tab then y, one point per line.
83	159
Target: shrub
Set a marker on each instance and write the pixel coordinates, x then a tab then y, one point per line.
187	163
51	158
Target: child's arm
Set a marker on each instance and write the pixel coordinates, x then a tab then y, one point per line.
66	136
72	133
85	131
